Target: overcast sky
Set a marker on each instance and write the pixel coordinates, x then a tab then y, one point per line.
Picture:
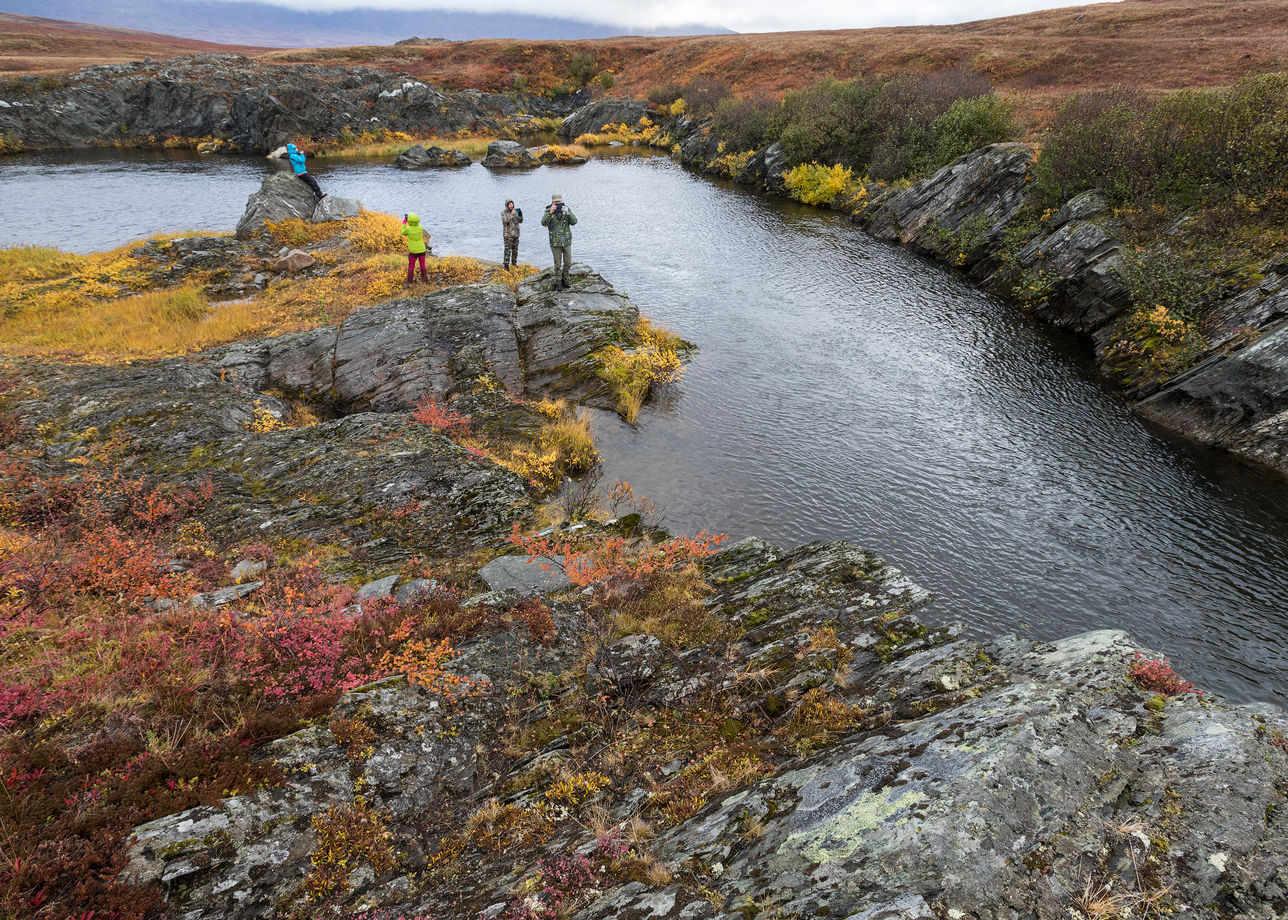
739	15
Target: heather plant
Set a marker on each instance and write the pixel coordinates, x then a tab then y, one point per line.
115	710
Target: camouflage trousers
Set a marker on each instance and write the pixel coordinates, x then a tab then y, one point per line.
563	261
511	252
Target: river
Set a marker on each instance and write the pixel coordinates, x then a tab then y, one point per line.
844	389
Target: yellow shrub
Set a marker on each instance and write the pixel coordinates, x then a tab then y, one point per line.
654	361
35	263
371	231
295	232
812	183
348	836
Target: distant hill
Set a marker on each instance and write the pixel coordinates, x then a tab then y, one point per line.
30	44
1037	58
264	24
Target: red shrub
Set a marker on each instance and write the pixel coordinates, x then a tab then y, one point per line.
429	412
1156	674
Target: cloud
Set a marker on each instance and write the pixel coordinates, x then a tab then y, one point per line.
739	15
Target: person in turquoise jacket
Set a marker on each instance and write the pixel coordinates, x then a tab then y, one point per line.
416	246
302	171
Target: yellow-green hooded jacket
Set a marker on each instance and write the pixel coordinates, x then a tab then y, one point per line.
415	234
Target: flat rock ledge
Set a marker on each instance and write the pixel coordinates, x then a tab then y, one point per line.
992	779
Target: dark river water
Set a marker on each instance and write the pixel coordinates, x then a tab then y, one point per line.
844	389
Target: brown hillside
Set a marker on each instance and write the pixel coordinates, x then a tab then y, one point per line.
29	44
1040	57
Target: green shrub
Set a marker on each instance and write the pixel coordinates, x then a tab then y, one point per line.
968	125
1191	146
1160	276
607	80
582	68
747	124
831	122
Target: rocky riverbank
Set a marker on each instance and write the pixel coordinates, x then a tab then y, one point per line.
1065	265
233	103
408	684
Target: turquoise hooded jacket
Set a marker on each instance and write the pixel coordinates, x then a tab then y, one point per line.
297	159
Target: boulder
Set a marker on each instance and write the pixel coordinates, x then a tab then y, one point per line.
518	573
280	196
600	113
509	155
335	208
1085	206
420	157
414	591
375	590
552	157
294	261
224	596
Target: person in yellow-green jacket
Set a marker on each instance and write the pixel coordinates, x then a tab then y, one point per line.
417	246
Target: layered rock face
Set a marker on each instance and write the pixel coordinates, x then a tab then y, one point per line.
538	341
981	779
603	112
202	412
247	105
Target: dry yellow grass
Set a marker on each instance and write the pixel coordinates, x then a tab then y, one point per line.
101	308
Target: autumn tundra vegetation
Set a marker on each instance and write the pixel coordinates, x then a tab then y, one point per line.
129	691
126	692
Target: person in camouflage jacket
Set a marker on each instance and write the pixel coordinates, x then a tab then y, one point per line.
559	219
511	217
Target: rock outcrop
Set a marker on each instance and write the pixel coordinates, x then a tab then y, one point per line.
421	157
1070	274
538	341
239	104
282	196
509	155
601	113
976	779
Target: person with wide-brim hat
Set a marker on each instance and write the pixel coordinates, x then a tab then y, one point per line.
559	219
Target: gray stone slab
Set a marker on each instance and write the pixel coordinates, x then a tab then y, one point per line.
515	573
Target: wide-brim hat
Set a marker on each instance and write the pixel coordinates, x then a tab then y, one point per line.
554	198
